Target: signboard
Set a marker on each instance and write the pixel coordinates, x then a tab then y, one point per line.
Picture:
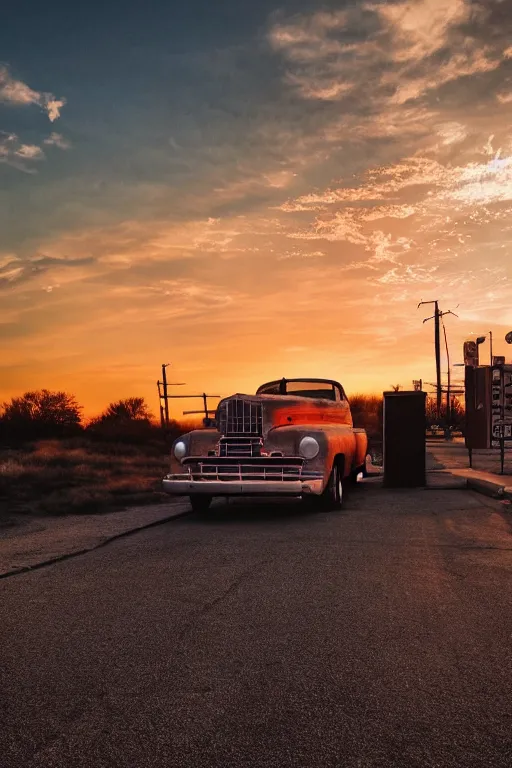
501	404
471	353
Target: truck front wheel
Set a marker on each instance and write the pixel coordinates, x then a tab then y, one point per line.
333	494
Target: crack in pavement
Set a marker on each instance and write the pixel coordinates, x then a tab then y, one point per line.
207	607
61	558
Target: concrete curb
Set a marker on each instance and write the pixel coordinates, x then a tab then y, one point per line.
488	488
450	483
103	543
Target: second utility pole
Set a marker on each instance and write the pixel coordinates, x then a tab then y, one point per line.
437	344
164	410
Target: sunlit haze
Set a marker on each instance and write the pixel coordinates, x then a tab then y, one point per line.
249	191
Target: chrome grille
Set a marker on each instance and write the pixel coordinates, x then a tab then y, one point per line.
240	417
263	468
240	446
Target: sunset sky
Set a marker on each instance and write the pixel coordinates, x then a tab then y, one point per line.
250	190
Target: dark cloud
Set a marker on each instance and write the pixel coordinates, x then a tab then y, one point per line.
42	263
489	21
22	270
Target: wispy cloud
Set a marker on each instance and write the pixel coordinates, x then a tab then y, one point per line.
18	93
411	273
57	140
384	54
420	27
29	152
20	156
10	268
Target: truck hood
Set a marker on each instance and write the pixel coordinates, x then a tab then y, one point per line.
288	410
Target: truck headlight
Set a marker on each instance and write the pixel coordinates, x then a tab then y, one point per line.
308	447
180	450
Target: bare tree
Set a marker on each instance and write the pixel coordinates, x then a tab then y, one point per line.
127	420
129	409
41	413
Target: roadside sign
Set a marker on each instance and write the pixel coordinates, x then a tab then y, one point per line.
471	353
501	403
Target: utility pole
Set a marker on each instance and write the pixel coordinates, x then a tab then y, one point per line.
162	417
490	340
437	344
448	401
166	401
448	384
163	394
205	410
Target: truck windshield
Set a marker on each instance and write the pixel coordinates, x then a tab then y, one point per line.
323	389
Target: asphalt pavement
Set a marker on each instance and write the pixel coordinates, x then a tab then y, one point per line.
270	635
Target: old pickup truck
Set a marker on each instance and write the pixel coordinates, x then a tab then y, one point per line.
294	437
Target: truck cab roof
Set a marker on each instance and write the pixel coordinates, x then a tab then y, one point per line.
325	389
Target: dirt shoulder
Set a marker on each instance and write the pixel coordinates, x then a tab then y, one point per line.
31	542
61	497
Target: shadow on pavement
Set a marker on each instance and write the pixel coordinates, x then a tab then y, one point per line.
268	510
254	511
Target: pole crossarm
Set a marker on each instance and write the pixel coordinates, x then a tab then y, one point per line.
164	396
208	410
183	397
204	397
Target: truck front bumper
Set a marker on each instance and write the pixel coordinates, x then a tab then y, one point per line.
184	485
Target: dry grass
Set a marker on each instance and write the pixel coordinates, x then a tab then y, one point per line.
76	476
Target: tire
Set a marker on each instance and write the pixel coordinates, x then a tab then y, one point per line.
200	504
332	497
